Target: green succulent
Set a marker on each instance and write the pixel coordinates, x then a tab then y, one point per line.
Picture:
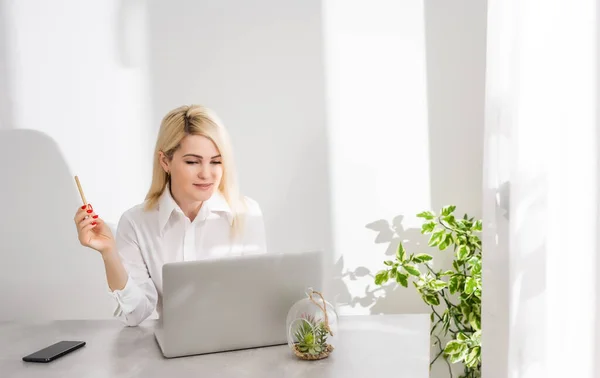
311	336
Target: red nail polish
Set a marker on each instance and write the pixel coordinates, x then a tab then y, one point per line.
95	216
93	223
83	207
88	211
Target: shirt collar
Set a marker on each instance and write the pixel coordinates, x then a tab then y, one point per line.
216	203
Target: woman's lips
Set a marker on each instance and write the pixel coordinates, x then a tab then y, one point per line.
203	186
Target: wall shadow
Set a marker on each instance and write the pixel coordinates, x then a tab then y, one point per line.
455	32
6	107
390	298
47	274
596	352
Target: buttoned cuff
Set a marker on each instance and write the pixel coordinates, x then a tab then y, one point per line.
128	298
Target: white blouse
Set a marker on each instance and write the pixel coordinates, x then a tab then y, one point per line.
146	240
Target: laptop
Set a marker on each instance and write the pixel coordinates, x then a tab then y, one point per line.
232	303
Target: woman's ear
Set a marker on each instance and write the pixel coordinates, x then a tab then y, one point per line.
164	161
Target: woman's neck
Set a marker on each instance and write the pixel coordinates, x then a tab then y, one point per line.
190	209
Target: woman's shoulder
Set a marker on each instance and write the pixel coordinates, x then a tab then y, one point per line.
252	206
137	213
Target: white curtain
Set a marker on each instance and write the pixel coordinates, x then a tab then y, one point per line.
540	306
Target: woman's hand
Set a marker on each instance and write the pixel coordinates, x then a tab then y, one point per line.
92	231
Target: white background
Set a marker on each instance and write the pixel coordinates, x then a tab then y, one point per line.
347	117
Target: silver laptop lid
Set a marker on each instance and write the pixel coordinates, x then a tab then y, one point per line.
234	302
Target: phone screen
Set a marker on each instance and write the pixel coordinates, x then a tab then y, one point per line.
54	351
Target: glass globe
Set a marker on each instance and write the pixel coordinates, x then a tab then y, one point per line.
311	334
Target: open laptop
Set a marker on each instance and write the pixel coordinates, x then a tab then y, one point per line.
232	303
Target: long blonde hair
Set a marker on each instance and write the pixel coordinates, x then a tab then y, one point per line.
196	120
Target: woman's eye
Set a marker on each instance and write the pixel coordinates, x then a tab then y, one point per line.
191	162
215	162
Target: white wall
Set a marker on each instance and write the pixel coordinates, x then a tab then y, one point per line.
405	111
80	74
65	79
405	106
259	65
339	126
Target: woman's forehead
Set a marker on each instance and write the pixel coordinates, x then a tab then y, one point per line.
198	145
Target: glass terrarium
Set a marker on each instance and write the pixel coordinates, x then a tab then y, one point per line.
312	323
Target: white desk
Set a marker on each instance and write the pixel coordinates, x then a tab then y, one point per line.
365	346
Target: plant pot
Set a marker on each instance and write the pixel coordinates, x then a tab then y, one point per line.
311	324
312	357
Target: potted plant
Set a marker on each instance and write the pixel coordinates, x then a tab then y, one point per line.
310	322
311	339
454	295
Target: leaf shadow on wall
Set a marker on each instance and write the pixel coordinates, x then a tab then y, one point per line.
390	298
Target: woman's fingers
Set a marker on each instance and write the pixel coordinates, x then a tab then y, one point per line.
83	215
84	237
80	214
90	220
87	228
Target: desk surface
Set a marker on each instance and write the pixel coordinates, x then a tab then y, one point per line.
365	346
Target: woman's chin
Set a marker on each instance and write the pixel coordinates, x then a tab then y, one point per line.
202	194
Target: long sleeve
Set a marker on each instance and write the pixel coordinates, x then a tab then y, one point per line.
138	299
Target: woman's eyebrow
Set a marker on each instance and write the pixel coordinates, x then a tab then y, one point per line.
200	157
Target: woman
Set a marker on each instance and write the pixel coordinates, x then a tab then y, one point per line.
192	211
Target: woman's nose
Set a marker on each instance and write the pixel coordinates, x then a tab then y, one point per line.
204	171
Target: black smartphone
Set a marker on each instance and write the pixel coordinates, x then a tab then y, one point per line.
54	351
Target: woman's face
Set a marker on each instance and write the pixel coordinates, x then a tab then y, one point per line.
195	169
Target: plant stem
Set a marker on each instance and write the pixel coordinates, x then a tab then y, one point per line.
435	312
446	227
439	354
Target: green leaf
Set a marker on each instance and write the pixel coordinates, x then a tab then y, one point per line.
447	273
402	279
427	215
462	253
472	358
423	257
428	227
437	285
465	310
475	321
446	242
453	284
431	299
447	210
411	269
431	317
461	336
475	263
453	347
436	238
460	356
388	263
400	253
478	226
470	285
381	277
450	220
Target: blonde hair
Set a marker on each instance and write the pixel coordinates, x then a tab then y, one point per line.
196	120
